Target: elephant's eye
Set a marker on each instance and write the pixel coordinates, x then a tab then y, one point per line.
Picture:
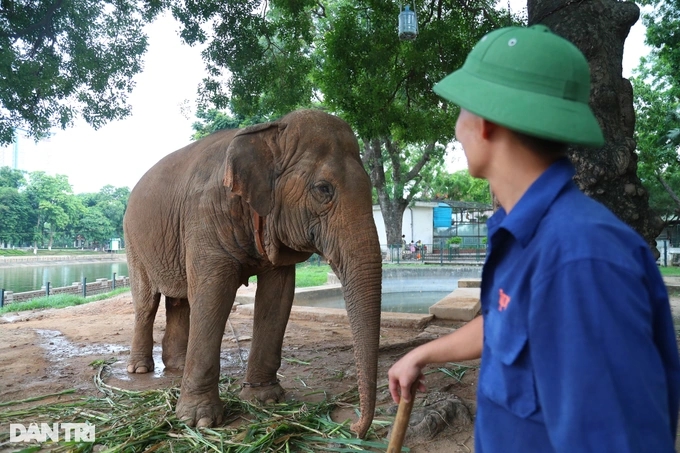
323	191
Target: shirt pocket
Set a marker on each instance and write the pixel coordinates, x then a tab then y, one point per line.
506	375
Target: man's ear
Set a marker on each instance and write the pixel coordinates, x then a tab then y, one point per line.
488	128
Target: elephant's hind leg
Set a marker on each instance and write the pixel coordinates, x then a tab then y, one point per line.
176	336
146	305
273	302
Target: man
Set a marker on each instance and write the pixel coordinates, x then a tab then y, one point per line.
577	342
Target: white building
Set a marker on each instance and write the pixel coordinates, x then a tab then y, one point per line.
417	222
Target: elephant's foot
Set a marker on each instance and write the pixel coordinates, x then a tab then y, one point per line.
267	394
140	364
202	411
175	362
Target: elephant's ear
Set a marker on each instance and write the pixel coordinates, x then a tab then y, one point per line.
250	167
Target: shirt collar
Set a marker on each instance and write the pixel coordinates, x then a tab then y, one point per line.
524	218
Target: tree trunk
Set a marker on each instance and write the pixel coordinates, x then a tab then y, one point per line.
393	215
394	197
609	174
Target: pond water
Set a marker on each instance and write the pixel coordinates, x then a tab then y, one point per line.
29	278
412	294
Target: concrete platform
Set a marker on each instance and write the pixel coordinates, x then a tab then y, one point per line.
387	319
463	304
470	283
246	296
672	283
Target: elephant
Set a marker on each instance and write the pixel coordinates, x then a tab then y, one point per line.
244	202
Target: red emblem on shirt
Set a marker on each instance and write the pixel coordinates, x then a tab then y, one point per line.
503	300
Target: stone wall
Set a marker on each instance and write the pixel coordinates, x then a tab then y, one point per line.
101	285
13	260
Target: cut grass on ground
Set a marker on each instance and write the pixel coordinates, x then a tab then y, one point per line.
127	421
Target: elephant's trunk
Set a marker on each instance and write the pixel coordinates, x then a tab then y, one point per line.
360	272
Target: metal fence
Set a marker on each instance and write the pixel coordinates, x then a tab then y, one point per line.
439	252
82	288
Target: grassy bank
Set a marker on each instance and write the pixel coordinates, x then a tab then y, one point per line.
670	271
58	301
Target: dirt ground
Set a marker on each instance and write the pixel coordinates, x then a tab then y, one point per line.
48	351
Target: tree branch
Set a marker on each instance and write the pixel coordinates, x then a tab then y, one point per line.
321	12
41	24
668	189
425	158
374	161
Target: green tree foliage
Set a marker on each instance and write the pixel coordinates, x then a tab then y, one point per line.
15	214
458	186
346	57
44	211
12	178
657	116
656	87
60	59
52	199
212	120
95	227
663	35
110	204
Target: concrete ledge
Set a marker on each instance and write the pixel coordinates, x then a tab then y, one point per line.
315	292
448	270
387	319
470	283
463	304
301	294
672	283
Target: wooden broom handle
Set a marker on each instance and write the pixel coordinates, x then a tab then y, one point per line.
401	421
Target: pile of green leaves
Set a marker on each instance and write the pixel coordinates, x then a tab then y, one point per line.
135	421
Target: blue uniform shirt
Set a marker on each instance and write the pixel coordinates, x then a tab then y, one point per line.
580	353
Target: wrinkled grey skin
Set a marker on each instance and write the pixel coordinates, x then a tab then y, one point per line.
190	235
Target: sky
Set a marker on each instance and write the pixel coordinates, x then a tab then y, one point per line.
163	108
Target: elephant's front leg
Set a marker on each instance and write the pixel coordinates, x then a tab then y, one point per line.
211	297
273	301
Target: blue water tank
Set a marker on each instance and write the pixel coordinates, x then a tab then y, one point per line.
442	216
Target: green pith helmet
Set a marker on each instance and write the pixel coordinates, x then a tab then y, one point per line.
529	80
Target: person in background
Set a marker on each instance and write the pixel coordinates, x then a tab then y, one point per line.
576	336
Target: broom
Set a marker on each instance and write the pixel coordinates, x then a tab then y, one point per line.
401	421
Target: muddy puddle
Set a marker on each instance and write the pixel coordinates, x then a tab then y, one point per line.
59	350
58	347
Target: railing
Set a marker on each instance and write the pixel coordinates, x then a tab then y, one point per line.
441	253
101	285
